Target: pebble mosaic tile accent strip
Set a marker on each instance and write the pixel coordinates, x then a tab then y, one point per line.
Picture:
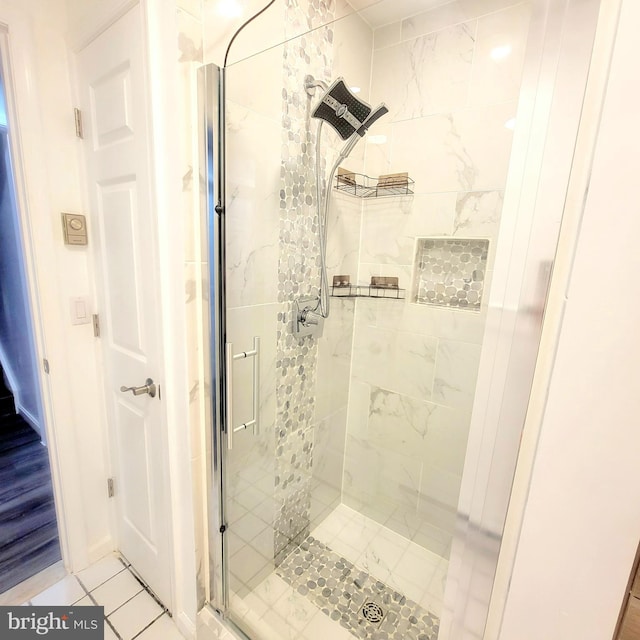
451	272
361	604
292	522
298	272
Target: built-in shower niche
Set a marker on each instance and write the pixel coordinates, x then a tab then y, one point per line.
450	272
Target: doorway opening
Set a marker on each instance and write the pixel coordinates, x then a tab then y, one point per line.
28	526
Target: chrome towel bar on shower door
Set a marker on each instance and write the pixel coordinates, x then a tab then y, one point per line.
229	358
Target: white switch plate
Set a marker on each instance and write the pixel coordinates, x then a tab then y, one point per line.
80	310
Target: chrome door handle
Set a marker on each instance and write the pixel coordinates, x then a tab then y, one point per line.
228	414
149	388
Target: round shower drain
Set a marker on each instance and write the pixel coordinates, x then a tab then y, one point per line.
372	612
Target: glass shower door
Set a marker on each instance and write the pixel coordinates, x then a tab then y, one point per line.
340	455
249	315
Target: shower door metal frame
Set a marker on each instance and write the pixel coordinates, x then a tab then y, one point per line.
211	105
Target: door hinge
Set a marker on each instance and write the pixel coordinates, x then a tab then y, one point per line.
110	490
222	528
45	365
96	325
77	116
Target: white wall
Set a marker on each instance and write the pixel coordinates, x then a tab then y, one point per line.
581	523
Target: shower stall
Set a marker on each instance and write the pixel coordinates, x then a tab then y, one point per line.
365	266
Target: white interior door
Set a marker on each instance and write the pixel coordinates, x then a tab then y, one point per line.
114	101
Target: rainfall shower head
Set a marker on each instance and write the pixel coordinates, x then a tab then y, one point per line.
342	110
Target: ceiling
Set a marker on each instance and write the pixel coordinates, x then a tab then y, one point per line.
380	12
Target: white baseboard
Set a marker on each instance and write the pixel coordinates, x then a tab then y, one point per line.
8	372
100	549
31	419
14	387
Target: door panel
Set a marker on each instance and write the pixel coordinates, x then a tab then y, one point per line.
133	434
111	107
118	216
112	83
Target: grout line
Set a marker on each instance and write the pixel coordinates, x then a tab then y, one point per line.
115	631
86	591
148	590
98	585
151	623
95	602
125	602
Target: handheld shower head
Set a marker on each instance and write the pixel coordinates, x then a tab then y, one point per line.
379	111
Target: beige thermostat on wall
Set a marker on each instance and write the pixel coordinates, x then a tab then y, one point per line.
74	226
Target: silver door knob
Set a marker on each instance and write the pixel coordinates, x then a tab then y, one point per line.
149	388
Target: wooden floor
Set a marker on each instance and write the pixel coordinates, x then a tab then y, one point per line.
28	529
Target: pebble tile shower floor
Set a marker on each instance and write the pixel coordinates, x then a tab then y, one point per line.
366	607
401	577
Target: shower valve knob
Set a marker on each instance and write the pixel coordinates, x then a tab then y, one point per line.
309	318
306	321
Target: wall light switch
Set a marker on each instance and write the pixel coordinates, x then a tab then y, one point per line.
80	310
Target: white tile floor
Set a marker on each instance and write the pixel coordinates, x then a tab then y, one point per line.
274	611
130	612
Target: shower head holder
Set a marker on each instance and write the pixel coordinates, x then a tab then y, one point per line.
311	84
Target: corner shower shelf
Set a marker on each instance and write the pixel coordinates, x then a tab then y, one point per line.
361	186
367	291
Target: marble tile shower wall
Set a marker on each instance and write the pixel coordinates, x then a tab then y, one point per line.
298	271
321	389
352	51
452	87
